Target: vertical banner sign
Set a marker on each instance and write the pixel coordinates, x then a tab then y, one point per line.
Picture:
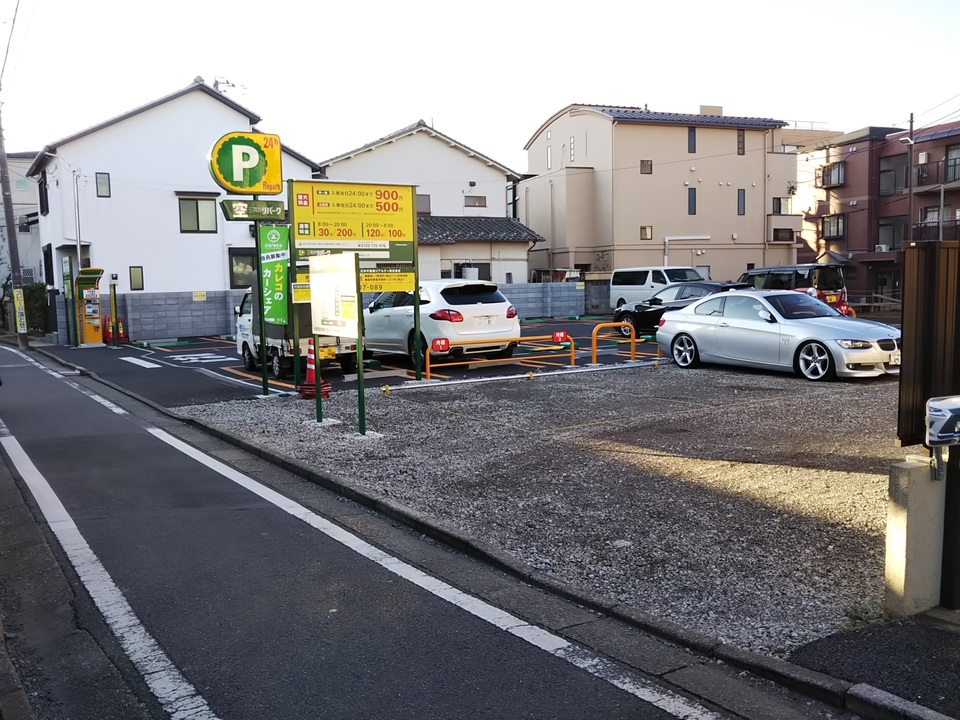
274	264
21	311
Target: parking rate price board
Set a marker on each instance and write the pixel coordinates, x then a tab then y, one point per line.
377	221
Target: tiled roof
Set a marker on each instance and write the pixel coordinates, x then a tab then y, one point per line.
435	230
642	115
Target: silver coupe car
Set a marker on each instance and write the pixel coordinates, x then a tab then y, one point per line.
779	330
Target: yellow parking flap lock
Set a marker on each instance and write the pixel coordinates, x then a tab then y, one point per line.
327	352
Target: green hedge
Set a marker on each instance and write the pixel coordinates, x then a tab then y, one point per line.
35	300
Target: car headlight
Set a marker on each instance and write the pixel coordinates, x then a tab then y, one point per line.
855	344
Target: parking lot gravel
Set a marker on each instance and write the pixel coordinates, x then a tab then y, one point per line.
750	506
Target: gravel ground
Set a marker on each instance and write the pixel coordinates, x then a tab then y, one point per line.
747	505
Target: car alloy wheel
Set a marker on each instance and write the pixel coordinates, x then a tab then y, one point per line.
814	361
625	331
685	351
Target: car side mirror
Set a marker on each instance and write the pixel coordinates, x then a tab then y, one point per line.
373	307
767	316
236	309
654	301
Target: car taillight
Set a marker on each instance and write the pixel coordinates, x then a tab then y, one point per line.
663	321
448	315
511	312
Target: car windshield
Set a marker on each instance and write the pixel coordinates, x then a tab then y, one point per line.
682	274
472	294
799	306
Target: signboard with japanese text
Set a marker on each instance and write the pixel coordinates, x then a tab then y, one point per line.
334	303
253	210
274	244
377	221
248	163
21	310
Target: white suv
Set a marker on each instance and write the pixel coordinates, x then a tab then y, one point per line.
458	310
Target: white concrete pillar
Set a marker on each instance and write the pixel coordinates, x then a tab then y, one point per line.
914	547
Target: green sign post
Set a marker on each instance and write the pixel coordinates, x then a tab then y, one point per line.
274	269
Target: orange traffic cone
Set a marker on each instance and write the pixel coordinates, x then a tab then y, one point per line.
309	387
108	329
121	333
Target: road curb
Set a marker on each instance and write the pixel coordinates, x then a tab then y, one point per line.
865	700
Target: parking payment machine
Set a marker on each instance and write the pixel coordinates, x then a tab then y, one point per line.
88	306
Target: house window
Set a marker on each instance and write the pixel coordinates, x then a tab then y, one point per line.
20	184
782	235
474	200
741	202
691	201
691	139
549	158
892	231
571	148
646	167
136	277
953	164
783	206
741	142
830	175
103	184
646	232
423	205
241	268
198	215
483	270
832	226
44	198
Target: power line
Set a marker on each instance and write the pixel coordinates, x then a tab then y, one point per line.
6	53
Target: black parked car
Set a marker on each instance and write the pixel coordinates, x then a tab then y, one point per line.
645	315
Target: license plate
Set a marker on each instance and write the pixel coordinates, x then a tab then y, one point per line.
895	358
483	320
831	298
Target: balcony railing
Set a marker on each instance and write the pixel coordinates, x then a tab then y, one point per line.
931	231
935	173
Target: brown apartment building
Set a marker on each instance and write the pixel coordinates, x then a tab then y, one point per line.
865	194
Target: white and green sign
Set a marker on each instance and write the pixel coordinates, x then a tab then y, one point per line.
253	210
274	266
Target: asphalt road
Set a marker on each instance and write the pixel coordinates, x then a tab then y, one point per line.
221	598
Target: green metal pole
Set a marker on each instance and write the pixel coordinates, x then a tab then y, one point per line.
294	310
259	304
317	380
361	397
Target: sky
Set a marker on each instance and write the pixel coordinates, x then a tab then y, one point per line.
328	77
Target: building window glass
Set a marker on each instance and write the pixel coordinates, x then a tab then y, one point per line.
831	175
103	184
646	167
549	158
241	268
691	140
423	205
832	226
741	202
136	277
198	215
741	142
783	235
691	201
783	206
953	164
474	200
646	232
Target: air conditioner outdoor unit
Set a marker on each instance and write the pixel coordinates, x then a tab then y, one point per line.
923	158
882	248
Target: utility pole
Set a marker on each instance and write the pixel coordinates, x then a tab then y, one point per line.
23	339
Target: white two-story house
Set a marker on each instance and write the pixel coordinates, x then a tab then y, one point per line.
134	196
466	219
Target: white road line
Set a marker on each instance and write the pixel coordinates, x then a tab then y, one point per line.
606	670
89	393
177	696
141	363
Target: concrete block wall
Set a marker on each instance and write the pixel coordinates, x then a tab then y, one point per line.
164	316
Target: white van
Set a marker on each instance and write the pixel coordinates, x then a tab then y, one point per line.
639	283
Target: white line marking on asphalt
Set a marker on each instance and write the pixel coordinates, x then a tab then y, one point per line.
141	363
89	393
177	696
605	670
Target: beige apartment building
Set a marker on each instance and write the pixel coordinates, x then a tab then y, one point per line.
613	187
